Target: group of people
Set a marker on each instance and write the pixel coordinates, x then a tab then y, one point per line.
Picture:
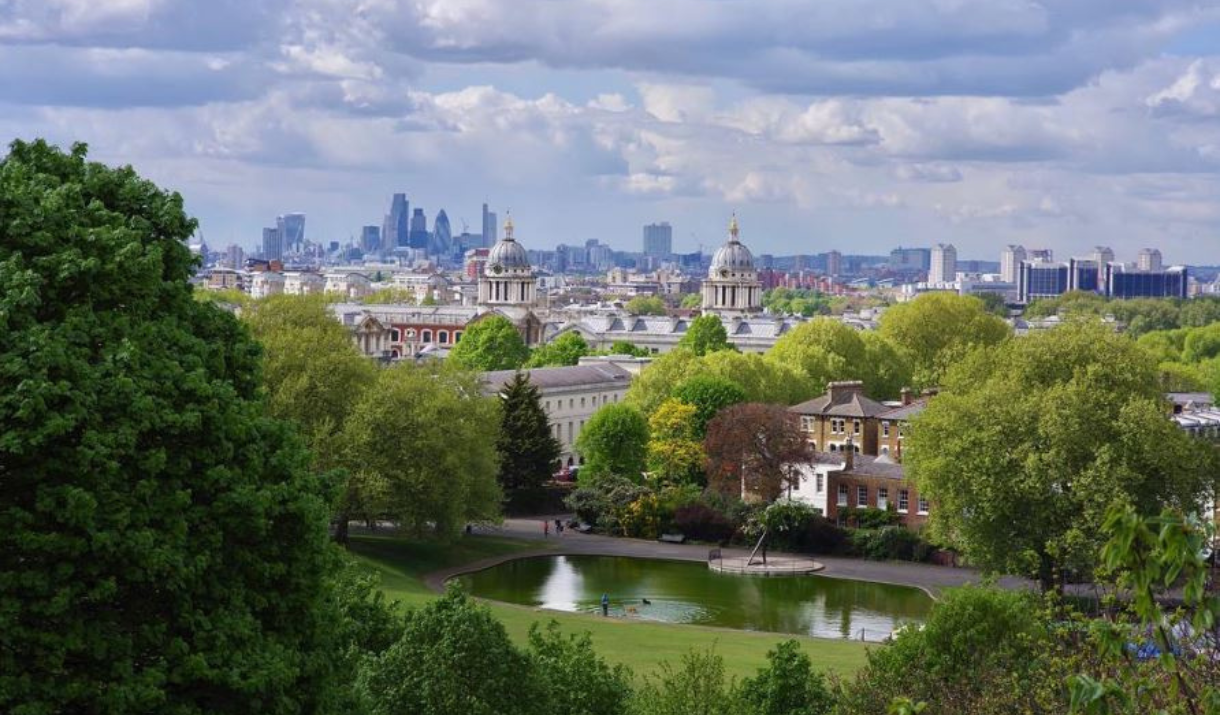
546	527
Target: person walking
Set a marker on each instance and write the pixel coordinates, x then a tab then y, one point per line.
605	604
546	529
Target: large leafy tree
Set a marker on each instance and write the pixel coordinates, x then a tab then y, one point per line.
675	452
491	343
656	382
825	350
756	446
1031	442
614	442
567	349
646	305
421	447
705	334
708	394
165	545
763	380
528	451
937	329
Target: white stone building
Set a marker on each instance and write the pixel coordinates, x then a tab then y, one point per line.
352	286
266	283
570	396
732	284
303	283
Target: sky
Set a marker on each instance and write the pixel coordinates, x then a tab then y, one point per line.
857	125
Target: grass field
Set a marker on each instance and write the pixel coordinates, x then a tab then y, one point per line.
402	565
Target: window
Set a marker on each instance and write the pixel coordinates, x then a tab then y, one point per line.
395	336
427	338
796	485
923	505
842	495
807	424
883	497
834	447
582	402
856	427
885	429
818	485
546	405
571	403
410	332
861	496
904	501
443	337
457	336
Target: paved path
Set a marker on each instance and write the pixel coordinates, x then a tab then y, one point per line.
929	578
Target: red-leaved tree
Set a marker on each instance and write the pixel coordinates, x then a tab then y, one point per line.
757	443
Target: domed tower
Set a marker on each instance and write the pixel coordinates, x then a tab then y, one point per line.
508	278
732	282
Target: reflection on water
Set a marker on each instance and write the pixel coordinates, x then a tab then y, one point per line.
684	592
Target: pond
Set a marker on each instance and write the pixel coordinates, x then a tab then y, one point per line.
689	592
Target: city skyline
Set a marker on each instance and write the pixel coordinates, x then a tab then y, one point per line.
966	124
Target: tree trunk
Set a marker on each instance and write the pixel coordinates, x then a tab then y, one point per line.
341	536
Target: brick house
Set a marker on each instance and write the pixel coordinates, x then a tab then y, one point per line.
843	415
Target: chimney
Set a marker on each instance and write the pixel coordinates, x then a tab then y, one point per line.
908	396
849	456
841	392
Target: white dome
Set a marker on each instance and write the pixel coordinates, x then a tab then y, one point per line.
507	254
733	256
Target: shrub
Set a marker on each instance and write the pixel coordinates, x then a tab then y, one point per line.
577	680
890	543
589	504
703	523
786	685
821	536
869	517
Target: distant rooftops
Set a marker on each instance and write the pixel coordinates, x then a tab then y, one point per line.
560	377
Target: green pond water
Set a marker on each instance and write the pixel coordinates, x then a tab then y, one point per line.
689	592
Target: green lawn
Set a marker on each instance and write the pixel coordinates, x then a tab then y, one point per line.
643	646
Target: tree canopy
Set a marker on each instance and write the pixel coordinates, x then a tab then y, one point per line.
937	329
490	343
675	450
708	394
567	349
756	446
614	442
825	350
165	545
421	445
1029	444
646	305
704	335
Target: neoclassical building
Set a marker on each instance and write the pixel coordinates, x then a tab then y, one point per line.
732	284
508	278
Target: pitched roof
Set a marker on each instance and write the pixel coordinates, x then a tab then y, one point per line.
905	412
884	467
847	404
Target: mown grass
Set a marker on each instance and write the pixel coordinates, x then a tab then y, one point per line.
402	565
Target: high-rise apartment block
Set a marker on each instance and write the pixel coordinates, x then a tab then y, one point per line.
1150	260
658	239
944	264
1011	259
489	227
370	239
910	260
834	263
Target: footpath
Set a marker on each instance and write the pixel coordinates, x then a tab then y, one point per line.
930	578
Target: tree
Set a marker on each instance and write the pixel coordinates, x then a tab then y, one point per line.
675	452
578	682
709	395
698	687
705	334
567	349
763	380
826	350
622	347
656	382
528	451
453	657
421	445
1029	444
614	442
756	447
994	303
886	369
786	685
982	651
937	329
691	301
165	545
491	343
314	375
646	305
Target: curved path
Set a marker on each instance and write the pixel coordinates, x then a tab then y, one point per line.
931	579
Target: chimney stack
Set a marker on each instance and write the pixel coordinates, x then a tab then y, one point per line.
841	392
849	458
908	396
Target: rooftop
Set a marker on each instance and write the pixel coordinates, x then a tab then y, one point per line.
557	377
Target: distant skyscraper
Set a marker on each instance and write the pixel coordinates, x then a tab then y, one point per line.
418	238
834	263
910	259
396	230
944	264
1150	260
490	235
1103	255
658	239
442	235
1162	283
1011	259
370	239
235	257
292	232
273	246
1042	279
1041	254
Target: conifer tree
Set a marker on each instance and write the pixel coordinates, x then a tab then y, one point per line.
528	450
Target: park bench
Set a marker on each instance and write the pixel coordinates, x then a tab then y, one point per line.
672	538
